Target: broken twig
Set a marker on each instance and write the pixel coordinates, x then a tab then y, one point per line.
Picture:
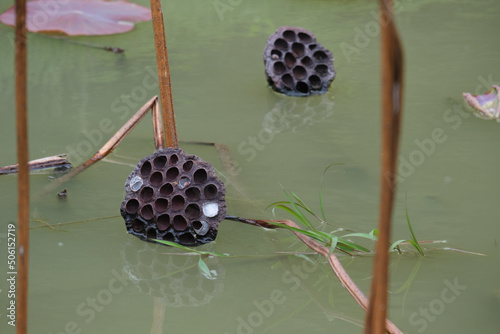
55	161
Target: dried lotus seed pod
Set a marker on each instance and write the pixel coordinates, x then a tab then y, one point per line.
174	196
296	64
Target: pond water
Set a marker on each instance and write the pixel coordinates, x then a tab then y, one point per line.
92	277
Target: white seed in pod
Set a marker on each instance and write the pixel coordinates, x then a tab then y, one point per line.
210	209
136	183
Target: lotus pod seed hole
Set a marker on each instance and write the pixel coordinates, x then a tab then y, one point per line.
320	55
132	206
298	49
161	204
147	212
146	194
306	38
193	194
146	169
187	239
299	72
210	191
178	202
160	162
210	209
180	223
174	159
156	179
166	189
200	176
201	227
276	54
172	173
287	81
280	43
307	61
138	225
136	183
187	166
302	87
151	233
184	182
312	46
169	237
193	211
289	60
289	35
321	70
163	222
315	82
279	68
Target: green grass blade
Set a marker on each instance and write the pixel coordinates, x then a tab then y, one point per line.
335	241
396	244
173	244
312	234
415	241
299	213
321	189
369	236
292	212
349	244
286	202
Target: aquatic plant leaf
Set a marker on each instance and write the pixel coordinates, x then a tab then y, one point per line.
80	17
204	268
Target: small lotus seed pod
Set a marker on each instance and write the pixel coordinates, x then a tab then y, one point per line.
296	64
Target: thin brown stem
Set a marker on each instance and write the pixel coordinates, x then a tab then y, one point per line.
167	104
158	127
23	175
392	95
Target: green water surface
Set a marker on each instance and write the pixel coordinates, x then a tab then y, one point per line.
92	277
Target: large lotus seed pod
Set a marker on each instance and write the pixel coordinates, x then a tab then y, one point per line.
174	196
296	64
